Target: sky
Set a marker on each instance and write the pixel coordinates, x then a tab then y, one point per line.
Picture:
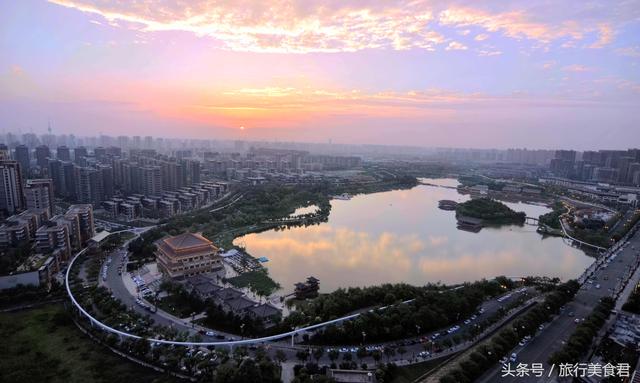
469	73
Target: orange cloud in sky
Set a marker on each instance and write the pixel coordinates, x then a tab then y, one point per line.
287	26
518	24
606	36
282	26
292	107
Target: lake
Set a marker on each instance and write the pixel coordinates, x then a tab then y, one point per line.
402	236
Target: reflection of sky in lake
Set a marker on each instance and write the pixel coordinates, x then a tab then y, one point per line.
402	236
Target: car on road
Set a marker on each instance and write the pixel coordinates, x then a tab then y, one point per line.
453	329
210	333
571	314
467	321
514	357
597	286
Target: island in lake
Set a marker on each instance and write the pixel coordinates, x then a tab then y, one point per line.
475	213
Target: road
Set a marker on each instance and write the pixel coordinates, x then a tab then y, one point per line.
553	337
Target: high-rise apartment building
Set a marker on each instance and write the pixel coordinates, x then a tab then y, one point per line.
24	159
69	172
84	214
4	152
88	185
79	155
100	154
11	193
39	194
42	156
151	180
51	237
106	172
63	153
56	173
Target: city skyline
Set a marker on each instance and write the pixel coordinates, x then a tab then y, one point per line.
446	74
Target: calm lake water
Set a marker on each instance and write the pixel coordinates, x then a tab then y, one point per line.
402	236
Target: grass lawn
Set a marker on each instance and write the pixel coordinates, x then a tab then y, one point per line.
258	281
44	345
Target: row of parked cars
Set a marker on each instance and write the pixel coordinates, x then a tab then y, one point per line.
346	350
105	267
140	303
505	297
142	287
122	264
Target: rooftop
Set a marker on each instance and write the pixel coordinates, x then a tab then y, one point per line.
240	303
265	310
187	240
228	293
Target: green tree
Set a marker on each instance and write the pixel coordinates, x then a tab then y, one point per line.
317	353
280	356
302	356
